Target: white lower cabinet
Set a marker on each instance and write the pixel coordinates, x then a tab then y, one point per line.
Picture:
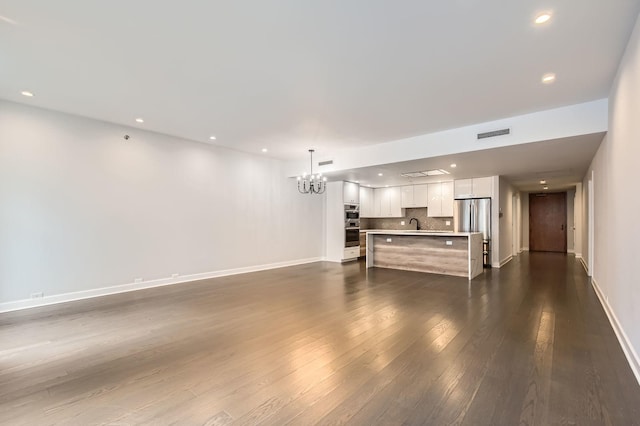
351	253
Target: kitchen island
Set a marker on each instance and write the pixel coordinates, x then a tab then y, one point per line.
448	253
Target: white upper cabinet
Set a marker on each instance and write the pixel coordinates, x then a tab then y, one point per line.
414	196
440	199
383	202
388	202
367	202
351	193
483	187
447	199
407	196
473	188
395	199
434	208
420	195
463	188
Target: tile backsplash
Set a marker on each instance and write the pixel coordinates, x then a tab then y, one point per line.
431	223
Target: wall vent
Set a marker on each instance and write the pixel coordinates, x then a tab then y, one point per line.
325	163
494	133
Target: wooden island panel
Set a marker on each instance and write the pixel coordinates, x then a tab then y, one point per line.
422	253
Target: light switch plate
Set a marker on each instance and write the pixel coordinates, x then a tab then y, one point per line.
402	222
449	243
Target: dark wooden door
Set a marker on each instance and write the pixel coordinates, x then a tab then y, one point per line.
548	222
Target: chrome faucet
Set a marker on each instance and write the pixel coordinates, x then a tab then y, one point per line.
417	223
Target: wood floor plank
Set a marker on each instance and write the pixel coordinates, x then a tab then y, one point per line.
325	343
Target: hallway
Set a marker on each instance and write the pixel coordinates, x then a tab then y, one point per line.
326	343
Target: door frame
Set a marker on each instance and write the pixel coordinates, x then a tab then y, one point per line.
533	195
591	218
514	226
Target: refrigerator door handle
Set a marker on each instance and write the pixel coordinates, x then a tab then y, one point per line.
473	216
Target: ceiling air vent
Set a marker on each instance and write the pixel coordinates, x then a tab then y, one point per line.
426	173
325	163
494	133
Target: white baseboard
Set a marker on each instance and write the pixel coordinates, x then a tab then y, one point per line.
578	255
123	288
584	264
505	261
501	263
571	251
525	248
625	343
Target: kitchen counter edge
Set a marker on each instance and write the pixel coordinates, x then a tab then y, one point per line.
425	233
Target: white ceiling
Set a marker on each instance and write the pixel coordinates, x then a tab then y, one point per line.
561	162
290	75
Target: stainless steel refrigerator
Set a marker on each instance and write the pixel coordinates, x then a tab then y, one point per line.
474	215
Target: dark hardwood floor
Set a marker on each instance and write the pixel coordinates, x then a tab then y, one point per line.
326	344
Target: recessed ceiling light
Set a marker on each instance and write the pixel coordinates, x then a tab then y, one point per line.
454	165
386	186
548	78
139	120
545	187
27	93
542	18
263	149
379	174
213	138
357	181
542	182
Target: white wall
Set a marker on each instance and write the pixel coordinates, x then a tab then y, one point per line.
525	220
517	224
578	215
81	208
579	119
571	195
505	204
617	228
495	221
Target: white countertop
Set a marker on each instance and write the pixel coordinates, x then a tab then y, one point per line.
421	232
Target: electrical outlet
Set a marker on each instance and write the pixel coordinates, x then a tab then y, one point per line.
137	280
449	243
402	222
174	275
447	222
388	240
37	295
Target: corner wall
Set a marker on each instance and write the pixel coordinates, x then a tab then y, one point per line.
617	228
505	205
571	225
82	209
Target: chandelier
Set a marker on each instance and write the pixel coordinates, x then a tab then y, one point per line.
312	184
